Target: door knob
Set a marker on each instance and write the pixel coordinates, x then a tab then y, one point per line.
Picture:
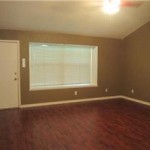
15	79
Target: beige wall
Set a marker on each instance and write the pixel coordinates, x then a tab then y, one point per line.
109	55
136	66
123	65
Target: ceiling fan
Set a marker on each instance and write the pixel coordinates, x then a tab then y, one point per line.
113	6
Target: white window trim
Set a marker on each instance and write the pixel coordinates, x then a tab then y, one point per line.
94	75
62	87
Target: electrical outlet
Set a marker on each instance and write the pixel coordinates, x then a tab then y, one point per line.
106	90
75	93
132	91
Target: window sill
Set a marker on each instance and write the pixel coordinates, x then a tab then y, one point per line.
38	88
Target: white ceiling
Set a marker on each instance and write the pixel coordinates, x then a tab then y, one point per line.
82	17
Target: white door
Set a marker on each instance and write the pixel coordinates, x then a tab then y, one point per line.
9	82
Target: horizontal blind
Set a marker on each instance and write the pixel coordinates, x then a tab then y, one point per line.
57	65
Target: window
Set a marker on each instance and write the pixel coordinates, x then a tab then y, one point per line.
62	65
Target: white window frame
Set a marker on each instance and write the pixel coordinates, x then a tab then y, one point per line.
94	71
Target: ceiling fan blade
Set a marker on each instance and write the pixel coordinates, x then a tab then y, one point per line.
125	3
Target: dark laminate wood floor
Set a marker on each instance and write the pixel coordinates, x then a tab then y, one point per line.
103	125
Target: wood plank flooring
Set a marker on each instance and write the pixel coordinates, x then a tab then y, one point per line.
102	125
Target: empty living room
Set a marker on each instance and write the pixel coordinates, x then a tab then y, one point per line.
75	75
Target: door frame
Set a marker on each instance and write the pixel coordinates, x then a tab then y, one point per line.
18	67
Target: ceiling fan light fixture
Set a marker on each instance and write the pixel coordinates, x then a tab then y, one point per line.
111	6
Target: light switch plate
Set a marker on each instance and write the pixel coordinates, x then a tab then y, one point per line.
23	62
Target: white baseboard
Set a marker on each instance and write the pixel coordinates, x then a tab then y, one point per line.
69	101
8	108
135	100
85	100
